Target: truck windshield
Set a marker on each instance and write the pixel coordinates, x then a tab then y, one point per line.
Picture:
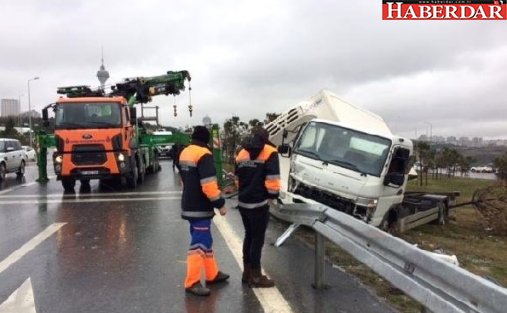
87	115
344	147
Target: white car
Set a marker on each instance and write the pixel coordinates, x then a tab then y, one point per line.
30	153
12	158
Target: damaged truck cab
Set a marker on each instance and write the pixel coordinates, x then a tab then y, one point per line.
357	172
345	157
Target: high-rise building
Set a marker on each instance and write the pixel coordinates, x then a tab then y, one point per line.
10	107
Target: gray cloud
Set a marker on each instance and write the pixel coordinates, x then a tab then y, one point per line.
249	58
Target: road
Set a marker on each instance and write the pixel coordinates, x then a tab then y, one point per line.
110	250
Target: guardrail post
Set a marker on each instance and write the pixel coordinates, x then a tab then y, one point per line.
320	262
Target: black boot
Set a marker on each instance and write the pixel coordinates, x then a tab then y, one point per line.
198	290
221	277
247	272
257	280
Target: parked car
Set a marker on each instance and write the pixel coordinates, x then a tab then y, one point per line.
12	158
482	169
30	153
164	150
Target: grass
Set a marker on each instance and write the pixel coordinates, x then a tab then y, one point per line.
477	250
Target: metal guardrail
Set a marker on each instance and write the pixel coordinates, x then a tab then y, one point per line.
436	284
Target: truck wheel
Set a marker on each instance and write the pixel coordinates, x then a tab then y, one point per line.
390	223
156	165
132	177
443	214
68	184
142	171
21	171
2	172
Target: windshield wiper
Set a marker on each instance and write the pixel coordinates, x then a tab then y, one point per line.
103	124
346	164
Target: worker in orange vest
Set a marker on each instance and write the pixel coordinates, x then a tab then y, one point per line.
200	196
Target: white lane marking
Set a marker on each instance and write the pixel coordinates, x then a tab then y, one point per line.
88	195
271	299
20	186
77	200
21	300
30	245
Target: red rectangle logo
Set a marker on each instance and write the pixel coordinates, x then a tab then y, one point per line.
444	10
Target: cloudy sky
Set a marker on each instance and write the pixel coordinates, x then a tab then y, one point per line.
247	58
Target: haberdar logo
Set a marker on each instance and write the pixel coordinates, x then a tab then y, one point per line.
444	10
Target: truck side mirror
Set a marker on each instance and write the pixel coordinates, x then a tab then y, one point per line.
284	150
133	115
45	117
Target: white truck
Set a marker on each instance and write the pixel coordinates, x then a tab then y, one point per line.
345	157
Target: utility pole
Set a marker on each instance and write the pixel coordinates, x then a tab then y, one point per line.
29	111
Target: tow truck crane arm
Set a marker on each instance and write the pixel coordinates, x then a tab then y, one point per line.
141	89
135	90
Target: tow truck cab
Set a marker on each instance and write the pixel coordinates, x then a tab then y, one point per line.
95	139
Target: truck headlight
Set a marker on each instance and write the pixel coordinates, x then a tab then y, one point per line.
370	203
121	157
58	159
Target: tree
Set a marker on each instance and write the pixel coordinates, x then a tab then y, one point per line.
501	166
270	117
425	157
11	132
233	133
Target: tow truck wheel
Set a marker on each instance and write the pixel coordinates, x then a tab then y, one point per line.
68	184
132	177
141	171
156	165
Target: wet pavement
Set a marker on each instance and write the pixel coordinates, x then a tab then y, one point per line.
122	250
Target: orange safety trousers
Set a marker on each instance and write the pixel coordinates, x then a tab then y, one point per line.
200	255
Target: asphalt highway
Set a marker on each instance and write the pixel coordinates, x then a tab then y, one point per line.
112	250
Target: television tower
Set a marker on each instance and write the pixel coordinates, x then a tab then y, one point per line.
102	73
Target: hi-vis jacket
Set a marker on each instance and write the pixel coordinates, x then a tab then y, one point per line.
258	175
200	187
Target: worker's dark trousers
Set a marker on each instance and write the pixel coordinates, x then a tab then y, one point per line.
255	222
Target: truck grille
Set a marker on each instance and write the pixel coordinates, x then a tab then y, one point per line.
89	155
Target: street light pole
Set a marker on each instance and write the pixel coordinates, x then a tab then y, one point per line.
29	110
19	114
431	130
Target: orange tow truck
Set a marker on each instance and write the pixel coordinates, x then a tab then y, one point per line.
98	135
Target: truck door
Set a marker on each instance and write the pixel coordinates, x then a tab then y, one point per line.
307	164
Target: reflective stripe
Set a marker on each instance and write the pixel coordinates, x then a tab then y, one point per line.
211	190
272	177
273	191
252	205
209	254
197	213
188	163
198	247
196	251
208	179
